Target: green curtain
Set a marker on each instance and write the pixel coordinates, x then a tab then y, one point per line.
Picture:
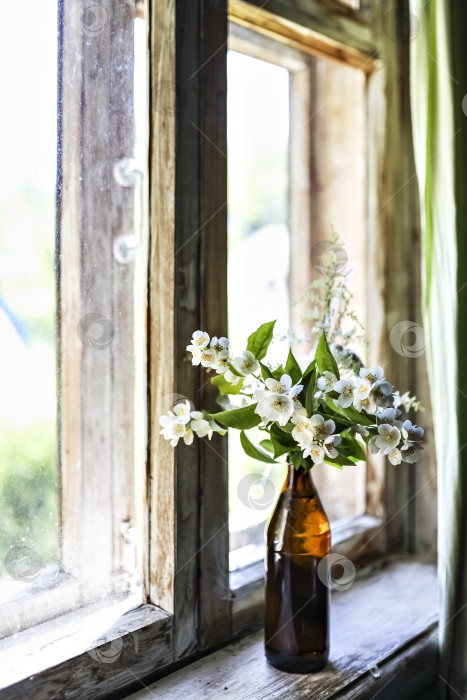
438	87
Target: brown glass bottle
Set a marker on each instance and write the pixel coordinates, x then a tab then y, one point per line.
297	601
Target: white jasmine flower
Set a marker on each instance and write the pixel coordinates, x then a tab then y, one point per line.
188	437
219	344
275	407
410	452
196	354
388	438
208	357
330	445
362	396
295	391
200	426
395	456
247	363
182	411
321	428
411	433
389	415
283	386
231	377
303	432
221	363
315	451
381	392
199	341
172	428
327	381
360	429
372	446
346	391
320	397
372	375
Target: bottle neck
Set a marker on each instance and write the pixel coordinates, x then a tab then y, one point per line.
299	482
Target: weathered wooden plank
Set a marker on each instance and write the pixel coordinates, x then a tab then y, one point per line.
319	28
126	650
212	132
122	127
187	305
96	302
370	623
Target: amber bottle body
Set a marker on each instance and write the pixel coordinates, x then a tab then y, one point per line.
297	599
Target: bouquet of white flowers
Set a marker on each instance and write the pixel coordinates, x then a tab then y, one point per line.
325	413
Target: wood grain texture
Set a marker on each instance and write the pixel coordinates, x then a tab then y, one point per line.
97	372
212	132
324	29
161	369
370	623
127	650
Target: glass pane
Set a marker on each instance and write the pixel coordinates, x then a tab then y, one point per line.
29	511
73	281
264	253
258	151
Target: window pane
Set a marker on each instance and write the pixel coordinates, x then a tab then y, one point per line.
73	280
259	245
271	169
29	509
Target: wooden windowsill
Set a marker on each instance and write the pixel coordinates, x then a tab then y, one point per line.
383	638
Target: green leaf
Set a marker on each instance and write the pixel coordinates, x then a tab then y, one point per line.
266	372
217	428
240	418
234	370
350	415
259	341
267	445
292	368
310	401
298	460
282	442
311	367
253	451
352	448
325	360
277	373
226	387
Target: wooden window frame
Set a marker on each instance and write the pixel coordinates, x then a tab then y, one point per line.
190	606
